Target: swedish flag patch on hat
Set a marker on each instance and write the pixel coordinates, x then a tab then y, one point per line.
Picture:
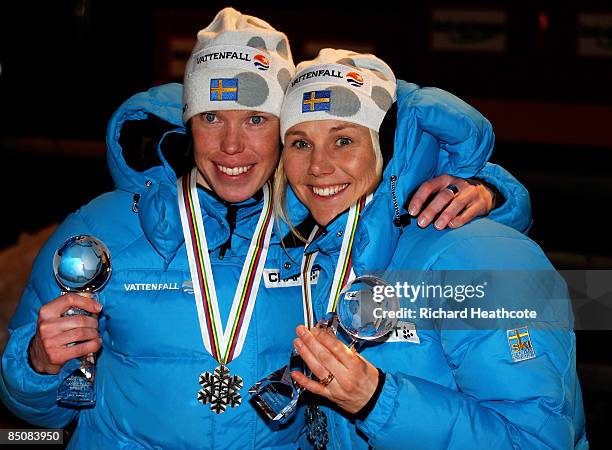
222	89
521	347
316	101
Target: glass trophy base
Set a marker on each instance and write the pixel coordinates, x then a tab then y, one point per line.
77	390
277	395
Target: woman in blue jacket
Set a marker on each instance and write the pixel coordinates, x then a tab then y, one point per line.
433	383
162	343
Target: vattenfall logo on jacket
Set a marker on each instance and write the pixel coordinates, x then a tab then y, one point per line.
151	287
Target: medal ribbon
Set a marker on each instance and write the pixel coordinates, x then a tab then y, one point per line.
223	344
344	267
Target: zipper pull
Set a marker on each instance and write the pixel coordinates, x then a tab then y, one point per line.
396	220
135	203
399	220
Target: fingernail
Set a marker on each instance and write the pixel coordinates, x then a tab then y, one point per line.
99	307
315	331
297	343
451	224
301	330
422	221
412	210
439	224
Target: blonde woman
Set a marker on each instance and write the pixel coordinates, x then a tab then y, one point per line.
434	387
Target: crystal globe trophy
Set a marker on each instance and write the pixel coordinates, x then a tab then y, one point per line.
362	309
277	395
81	265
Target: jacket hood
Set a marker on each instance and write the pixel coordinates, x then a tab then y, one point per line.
137	134
133	133
436	133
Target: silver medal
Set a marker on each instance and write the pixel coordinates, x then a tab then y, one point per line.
220	389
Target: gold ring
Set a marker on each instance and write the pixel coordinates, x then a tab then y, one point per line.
328	379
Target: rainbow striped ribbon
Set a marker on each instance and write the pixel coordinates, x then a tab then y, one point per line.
344	267
224	344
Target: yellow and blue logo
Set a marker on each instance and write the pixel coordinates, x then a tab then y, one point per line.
521	347
316	101
222	89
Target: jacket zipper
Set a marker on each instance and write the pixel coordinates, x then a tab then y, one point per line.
396	220
232	212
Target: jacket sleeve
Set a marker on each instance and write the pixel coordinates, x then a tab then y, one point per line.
27	394
498	404
515	212
466	141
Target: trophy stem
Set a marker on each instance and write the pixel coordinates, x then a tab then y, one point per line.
77	389
88	366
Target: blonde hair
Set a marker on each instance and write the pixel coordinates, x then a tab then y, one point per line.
280	187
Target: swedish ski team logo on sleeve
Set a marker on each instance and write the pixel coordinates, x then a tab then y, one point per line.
222	89
316	101
521	347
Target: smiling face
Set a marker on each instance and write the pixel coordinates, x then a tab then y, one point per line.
236	152
330	164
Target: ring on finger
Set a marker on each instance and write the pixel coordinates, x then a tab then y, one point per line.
453	188
328	379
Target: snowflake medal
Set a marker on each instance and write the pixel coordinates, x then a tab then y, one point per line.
220	389
316	422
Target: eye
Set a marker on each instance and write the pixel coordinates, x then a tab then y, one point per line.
341	142
300	144
209	117
257	120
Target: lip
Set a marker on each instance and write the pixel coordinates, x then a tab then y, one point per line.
342	187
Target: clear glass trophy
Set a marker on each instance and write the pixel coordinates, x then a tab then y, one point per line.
277	395
362	308
81	265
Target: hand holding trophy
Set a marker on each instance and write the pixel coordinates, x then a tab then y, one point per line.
277	395
81	265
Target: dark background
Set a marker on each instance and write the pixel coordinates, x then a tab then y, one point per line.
67	65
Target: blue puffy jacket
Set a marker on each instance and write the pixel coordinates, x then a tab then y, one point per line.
152	351
449	386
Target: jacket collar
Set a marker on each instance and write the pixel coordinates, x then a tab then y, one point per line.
160	218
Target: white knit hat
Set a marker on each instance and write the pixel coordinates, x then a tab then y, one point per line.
342	85
239	62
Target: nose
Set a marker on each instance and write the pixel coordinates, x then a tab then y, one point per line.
232	140
320	163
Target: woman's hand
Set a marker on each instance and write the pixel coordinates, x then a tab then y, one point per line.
472	199
354	379
49	349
